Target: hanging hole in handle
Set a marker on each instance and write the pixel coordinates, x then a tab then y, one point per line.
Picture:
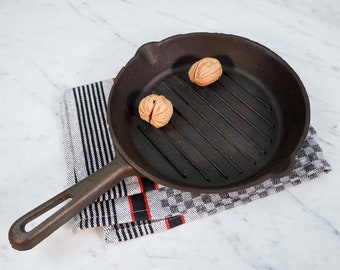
42	217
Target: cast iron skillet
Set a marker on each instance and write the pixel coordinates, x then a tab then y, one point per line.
235	133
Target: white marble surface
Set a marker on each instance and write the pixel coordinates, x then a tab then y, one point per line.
47	46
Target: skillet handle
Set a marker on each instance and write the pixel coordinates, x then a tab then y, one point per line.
81	195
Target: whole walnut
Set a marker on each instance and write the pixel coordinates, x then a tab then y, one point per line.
156	110
205	71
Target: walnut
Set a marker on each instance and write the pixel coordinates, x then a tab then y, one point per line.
205	71
156	110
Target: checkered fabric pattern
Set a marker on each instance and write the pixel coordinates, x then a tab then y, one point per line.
138	206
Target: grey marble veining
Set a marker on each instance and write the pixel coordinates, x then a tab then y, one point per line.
47	46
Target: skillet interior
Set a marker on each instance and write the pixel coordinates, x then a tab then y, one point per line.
235	133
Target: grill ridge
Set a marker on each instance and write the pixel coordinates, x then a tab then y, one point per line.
268	106
211	121
207	139
217	132
151	133
214	107
167	153
194	145
245	102
259	131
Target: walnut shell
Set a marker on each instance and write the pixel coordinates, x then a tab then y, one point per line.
205	71
156	110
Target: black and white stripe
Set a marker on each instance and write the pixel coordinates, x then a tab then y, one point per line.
97	145
98	214
127	231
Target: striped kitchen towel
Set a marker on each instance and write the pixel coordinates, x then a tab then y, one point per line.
138	206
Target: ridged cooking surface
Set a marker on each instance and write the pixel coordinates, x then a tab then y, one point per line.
218	134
